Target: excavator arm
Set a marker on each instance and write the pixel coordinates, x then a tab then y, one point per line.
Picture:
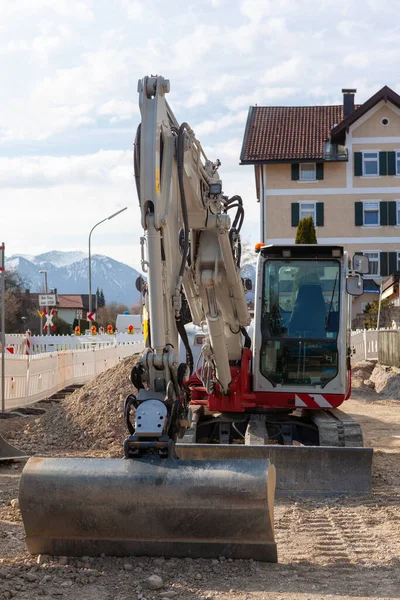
191	246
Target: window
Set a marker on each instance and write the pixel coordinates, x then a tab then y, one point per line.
371	214
397	212
374	263
398	262
385	121
300	321
370	164
307	209
397	162
307	172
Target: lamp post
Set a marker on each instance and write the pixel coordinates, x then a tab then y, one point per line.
46	291
90	255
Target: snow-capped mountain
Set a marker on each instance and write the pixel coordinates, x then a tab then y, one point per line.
68	272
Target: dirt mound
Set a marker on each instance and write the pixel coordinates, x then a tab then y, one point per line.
89	419
386	381
373	381
361	373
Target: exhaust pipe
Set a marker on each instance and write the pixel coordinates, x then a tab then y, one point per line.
149	507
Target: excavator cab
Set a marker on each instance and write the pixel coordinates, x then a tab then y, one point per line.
303	319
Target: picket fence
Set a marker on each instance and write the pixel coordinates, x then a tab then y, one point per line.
38	376
16	343
364	344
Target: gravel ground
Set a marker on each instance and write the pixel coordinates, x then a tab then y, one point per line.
335	549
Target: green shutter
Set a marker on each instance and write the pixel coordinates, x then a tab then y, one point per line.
295	214
391	163
320	214
358	213
295	172
392	262
383	209
382	163
320	171
384	263
392	213
358	164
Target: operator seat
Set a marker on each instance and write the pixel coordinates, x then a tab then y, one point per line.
308	316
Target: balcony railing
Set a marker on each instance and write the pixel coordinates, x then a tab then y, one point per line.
334	152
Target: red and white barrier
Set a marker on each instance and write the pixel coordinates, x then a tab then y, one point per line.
28	343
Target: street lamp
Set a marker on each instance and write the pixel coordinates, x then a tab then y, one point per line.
45	281
90	256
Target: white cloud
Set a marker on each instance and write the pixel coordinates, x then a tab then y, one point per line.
69	71
215	125
41	171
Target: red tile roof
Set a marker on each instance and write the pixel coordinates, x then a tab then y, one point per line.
285	133
69	301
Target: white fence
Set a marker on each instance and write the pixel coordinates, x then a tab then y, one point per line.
364	344
16	343
32	378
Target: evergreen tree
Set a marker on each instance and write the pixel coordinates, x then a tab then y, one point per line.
306	232
102	299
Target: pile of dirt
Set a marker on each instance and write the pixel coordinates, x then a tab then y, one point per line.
361	373
386	381
92	418
373	381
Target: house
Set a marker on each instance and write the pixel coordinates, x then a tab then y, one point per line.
74	306
68	307
341	165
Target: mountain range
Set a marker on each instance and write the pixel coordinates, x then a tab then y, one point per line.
68	273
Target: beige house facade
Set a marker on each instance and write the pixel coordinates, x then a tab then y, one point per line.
339	164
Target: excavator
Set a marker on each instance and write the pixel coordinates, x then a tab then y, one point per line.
225	411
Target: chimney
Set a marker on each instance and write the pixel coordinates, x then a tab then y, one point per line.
348	102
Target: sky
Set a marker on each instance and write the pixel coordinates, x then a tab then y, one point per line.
69	103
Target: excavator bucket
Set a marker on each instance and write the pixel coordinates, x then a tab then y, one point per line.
9	452
149	507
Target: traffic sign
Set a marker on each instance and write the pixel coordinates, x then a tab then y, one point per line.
47	299
91	316
79	313
40	313
49	320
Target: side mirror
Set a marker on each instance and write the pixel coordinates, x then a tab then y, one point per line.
355	285
361	264
139	284
247	284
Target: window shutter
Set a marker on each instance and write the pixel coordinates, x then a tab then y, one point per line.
319	171
384	263
358	213
295	214
392	262
391	163
392	213
382	163
320	214
295	172
383	209
358	164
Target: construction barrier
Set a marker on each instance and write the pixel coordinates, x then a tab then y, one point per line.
29	378
37	344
